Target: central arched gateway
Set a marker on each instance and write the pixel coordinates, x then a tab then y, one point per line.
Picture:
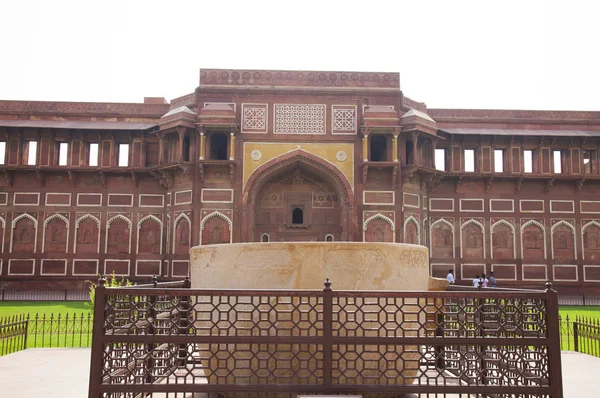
297	197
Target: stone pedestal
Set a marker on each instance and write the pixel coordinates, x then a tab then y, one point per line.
304	266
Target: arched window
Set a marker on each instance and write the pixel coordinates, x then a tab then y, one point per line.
329	238
297	216
264	238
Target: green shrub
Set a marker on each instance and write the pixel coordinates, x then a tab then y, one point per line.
111	281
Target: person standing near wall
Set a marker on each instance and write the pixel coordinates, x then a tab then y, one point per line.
450	276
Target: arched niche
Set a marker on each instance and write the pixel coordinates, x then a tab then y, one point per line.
411	231
442	239
118	235
56	234
563	241
472	240
181	240
533	236
87	234
215	228
379	228
591	240
150	235
503	240
24	239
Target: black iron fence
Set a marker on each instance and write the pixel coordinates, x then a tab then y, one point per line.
45	331
581	334
20	294
164	339
583	299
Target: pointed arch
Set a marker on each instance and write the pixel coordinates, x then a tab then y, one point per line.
78	223
14	224
431	228
514	238
572	228
181	216
329	238
263	236
218	214
592	223
481	228
541	227
342	185
379	216
149	217
412	219
108	225
46	222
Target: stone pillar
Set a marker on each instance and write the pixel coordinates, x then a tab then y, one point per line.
181	134
365	145
202	144
395	148
232	146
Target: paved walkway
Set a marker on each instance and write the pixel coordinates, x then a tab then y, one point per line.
64	372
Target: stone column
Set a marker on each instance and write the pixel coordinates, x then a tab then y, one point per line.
232	146
395	147
365	145
202	144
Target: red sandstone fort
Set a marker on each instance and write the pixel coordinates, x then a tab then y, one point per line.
271	156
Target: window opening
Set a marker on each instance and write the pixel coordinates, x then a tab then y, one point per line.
264	238
297	216
440	159
63	152
218	147
329	238
410	152
378	148
31	153
528	161
557	162
498	160
588	157
469	160
93	159
2	151
186	148
123	155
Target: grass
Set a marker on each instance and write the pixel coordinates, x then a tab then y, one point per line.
10	308
573	311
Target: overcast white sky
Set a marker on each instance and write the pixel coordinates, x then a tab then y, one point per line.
450	54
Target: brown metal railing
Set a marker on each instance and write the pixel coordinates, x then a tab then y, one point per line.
158	340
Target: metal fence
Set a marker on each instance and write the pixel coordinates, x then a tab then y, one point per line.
584	299
581	334
17	294
23	331
164	340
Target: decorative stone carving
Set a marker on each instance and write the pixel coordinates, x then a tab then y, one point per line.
532	234
341	156
254	118
24	230
442	239
344	119
299	119
502	240
119	234
256	155
182	235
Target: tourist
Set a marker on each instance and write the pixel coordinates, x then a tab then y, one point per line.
492	279
484	281
450	276
476	281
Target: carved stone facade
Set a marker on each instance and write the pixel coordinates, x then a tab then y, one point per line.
277	156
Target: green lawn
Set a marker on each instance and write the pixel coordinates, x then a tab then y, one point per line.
9	308
573	311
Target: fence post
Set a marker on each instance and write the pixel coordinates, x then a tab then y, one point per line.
96	363
151	316
26	331
584	299
184	322
327	333
439	349
576	335
553	335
